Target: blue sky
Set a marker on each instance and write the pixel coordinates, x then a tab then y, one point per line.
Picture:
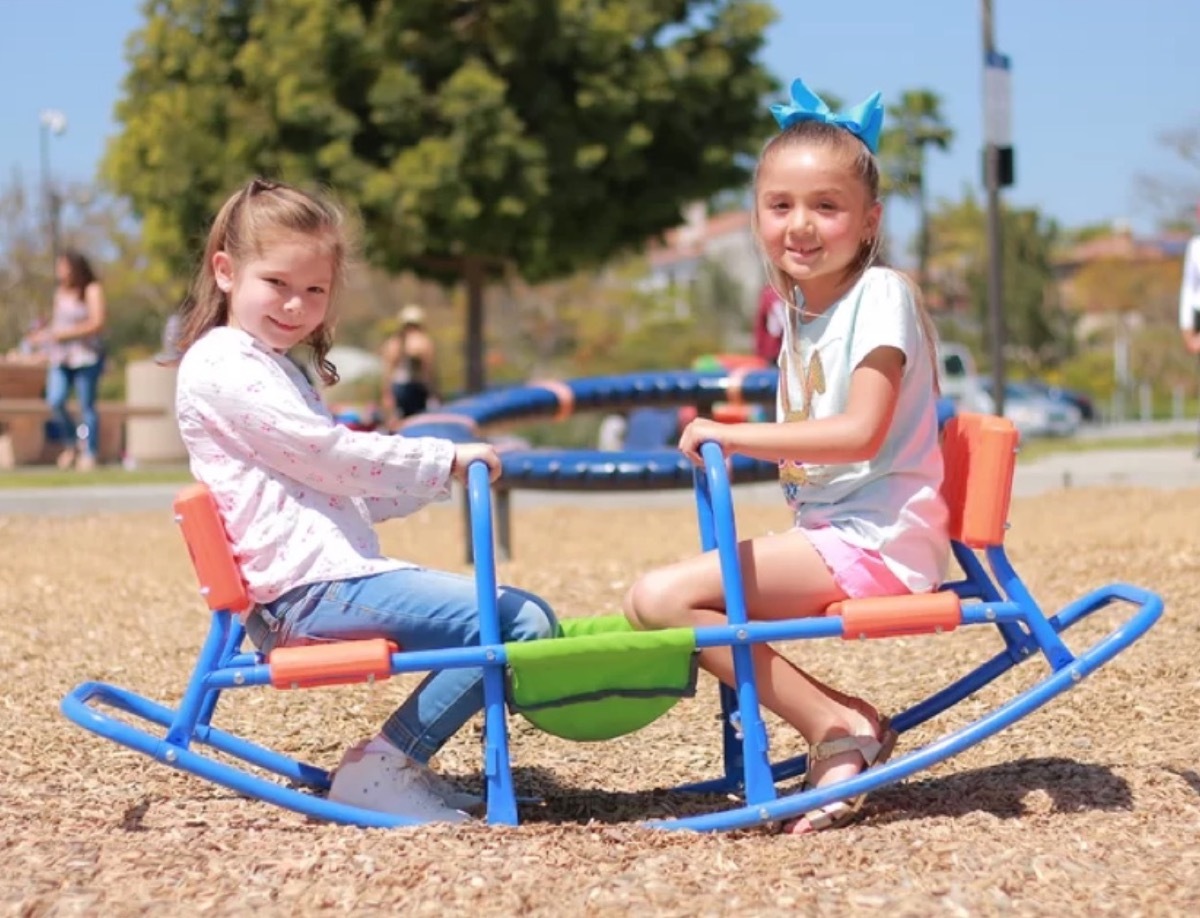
1094	85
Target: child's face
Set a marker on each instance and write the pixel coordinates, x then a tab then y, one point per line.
814	212
281	296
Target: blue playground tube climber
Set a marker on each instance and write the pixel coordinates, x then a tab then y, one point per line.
599	678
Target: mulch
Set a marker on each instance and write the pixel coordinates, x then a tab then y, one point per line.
1091	805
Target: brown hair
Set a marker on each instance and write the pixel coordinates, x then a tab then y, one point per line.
79	269
251	219
865	167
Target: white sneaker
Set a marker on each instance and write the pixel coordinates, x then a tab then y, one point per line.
389	782
453	796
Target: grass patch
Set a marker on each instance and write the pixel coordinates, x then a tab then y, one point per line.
1041	448
112	475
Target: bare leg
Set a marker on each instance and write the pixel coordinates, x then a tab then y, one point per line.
784	577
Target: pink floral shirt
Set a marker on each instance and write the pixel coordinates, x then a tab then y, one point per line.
298	493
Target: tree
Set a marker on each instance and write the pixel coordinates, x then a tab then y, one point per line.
98	226
912	125
1176	197
534	135
1039	329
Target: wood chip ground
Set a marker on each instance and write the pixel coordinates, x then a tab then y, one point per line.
1091	806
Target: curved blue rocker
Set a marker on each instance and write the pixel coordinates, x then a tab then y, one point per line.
980	459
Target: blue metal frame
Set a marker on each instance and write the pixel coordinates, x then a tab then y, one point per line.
992	594
1001	599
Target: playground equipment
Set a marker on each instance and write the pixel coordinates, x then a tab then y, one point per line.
597	470
607	689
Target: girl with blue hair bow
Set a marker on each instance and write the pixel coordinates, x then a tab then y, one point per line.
856	439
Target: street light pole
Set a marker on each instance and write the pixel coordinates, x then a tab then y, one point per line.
995	275
51	122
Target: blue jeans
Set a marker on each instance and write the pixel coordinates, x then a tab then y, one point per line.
419	609
86	381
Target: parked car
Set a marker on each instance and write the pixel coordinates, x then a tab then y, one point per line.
1034	414
957	378
1081	400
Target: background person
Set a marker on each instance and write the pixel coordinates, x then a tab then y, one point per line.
768	324
1189	303
408	367
75	348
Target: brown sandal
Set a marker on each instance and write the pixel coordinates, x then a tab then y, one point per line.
875	750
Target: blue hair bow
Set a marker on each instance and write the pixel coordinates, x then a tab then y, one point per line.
864	121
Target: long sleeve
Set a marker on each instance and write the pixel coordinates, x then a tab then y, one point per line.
251	403
382	509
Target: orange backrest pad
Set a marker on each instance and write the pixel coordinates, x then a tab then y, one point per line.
220	580
980	455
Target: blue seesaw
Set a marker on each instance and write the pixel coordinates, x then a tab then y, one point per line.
979	455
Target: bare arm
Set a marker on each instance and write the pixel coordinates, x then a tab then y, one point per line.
390	356
852	436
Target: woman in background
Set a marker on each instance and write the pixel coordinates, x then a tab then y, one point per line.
76	354
408	367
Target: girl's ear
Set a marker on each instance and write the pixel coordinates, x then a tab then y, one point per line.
874	218
222	267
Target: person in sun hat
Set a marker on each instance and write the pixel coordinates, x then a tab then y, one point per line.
408	375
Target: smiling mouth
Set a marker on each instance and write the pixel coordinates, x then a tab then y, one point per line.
284	326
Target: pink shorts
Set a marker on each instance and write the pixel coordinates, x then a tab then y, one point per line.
860	572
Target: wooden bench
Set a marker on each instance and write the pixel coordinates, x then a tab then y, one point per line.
23	430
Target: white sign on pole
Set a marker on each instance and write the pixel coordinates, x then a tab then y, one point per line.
997	99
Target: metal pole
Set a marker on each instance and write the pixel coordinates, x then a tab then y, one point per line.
47	206
51	122
995	278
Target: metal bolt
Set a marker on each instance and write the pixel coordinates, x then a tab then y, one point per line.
239	678
1076	675
741	634
990	615
491	655
171	756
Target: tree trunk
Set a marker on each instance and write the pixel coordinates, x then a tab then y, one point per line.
473	273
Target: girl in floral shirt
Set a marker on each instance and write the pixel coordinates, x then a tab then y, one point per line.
298	494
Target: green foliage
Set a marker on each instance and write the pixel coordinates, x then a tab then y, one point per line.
99	226
914	124
541	134
1039	331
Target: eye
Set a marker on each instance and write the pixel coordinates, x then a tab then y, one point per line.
274	281
827	206
316	289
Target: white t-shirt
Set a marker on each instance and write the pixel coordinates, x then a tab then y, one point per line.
1189	290
297	493
892	502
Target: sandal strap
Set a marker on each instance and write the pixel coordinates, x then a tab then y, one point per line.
834	815
865	745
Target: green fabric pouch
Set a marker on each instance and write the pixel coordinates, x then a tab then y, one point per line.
600	678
